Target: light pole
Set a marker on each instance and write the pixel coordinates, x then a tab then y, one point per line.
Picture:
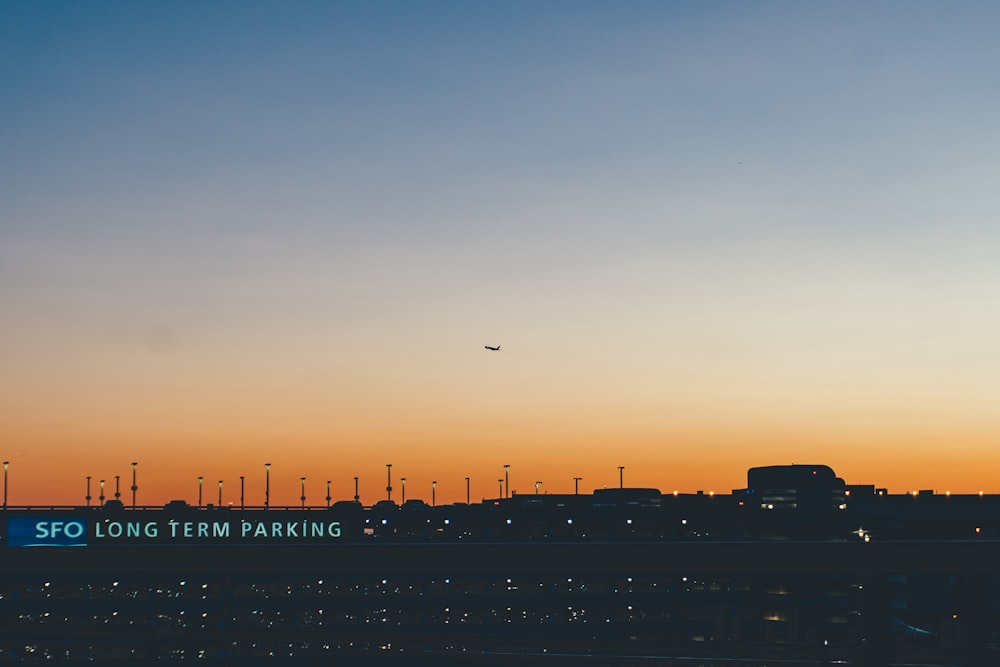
327	493
388	481
467	487
200	480
356	496
220	493
506	478
6	465
303	497
101	497
621	477
402	480
242	489
134	487
434	486
267	485
537	484
501	487
576	485
88	490
118	492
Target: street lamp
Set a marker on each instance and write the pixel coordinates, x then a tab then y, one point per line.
101	497
267	485
134	487
356	496
506	478
327	493
118	492
88	490
501	487
402	480
621	478
576	485
242	489
6	465
200	480
220	493
467	487
537	484
303	497
434	486
388	482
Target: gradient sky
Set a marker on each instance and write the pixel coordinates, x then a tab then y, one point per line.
709	236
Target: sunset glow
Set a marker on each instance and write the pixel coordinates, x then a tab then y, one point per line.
707	236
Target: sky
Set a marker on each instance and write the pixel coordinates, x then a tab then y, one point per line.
707	235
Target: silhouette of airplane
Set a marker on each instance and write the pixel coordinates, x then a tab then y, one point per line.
490	347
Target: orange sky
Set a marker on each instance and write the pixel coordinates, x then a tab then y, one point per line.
552	442
707	238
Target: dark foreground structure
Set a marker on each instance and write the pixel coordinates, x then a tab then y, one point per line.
797	569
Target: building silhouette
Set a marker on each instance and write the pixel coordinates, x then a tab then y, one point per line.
797	568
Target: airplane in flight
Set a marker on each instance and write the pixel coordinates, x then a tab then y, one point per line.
490	347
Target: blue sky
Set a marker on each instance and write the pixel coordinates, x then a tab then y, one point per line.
781	212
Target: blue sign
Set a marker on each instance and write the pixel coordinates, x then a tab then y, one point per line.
47	532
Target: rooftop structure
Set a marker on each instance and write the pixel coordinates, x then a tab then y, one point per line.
796	569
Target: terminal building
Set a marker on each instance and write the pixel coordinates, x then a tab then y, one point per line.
796	569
